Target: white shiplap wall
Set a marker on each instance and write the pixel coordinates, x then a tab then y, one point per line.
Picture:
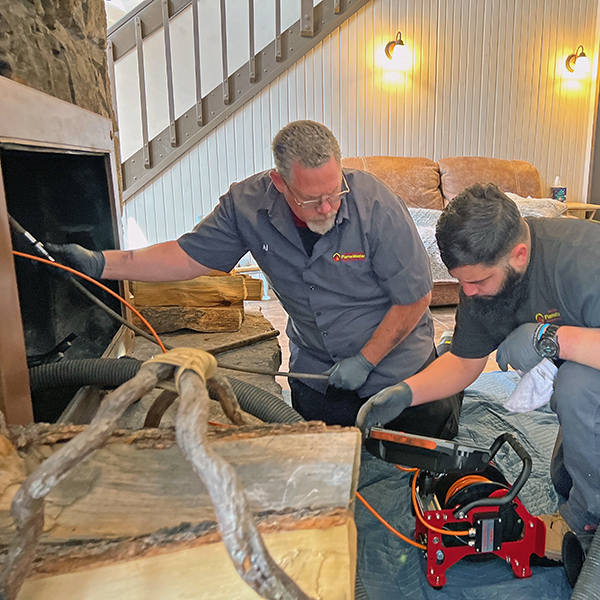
487	79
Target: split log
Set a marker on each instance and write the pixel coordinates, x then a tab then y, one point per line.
201	292
165	319
254	288
133	521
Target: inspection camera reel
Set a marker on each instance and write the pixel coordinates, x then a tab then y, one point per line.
463	504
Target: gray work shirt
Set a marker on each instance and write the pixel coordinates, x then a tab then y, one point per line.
370	260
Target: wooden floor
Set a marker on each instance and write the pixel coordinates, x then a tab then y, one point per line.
443	318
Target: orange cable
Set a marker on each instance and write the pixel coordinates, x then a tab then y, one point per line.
462	483
406	469
119	298
420	516
386	524
92	280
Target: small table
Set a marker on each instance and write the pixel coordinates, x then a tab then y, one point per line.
587	209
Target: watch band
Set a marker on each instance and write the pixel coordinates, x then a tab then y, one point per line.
545	340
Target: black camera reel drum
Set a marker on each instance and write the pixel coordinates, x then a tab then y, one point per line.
464	506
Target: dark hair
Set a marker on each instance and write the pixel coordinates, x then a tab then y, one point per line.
480	226
308	142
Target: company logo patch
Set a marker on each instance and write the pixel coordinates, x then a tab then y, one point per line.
551	316
343	257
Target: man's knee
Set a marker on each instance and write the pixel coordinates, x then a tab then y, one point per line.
575	387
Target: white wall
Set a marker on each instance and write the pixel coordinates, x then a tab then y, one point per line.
487	79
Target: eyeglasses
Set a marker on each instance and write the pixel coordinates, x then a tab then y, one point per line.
329	198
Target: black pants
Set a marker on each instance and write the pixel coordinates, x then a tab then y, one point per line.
340	407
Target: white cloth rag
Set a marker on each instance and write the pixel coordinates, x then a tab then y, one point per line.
534	389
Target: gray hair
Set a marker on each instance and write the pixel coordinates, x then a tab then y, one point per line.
308	142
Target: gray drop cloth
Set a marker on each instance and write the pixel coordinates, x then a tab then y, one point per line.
390	569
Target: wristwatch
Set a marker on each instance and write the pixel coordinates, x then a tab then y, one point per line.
545	341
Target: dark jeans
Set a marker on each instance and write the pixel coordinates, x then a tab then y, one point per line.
340	407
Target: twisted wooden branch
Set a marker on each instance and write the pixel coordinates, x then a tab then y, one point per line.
218	389
240	535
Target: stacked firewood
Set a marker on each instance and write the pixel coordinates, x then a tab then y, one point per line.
213	303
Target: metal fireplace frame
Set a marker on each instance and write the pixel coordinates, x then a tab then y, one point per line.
34	119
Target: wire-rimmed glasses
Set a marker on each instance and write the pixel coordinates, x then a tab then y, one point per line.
329	198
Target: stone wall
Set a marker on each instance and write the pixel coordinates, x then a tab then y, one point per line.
57	47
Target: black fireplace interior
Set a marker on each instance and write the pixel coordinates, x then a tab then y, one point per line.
59	197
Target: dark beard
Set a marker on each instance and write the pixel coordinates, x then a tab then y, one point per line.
507	301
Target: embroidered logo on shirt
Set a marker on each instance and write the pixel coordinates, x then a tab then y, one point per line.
266	247
337	257
551	316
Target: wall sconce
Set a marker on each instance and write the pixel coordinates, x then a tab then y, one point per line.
578	62
397	52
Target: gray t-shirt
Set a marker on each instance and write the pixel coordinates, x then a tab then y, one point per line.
335	298
562	287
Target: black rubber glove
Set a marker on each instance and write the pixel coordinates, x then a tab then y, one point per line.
88	262
518	349
384	406
350	373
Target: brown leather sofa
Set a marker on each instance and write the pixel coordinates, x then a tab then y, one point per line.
423	183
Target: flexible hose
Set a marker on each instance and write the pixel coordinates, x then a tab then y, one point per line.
85	371
112	372
588	583
265	406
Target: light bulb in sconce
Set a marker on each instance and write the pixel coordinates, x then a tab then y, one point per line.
397	52
578	63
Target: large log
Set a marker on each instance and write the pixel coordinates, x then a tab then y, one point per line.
201	292
206	320
135	522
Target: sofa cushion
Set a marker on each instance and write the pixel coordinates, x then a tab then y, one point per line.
415	180
516	176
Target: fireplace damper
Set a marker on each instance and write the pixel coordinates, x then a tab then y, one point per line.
56	162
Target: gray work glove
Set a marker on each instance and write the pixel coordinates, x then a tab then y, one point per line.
88	262
518	349
350	373
384	406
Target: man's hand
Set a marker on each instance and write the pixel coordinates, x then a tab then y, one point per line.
384	406
88	262
350	373
518	349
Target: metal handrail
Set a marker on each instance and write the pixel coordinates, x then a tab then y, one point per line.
212	108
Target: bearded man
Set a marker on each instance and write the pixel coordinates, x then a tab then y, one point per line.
531	290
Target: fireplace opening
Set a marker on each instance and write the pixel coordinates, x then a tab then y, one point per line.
59	197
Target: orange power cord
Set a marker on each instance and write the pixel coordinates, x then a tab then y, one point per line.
114	294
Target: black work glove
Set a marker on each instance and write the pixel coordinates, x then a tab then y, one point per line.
518	349
384	406
88	262
350	373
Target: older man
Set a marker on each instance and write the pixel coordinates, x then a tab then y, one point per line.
343	256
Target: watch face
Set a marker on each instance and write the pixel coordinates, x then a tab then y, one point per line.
548	348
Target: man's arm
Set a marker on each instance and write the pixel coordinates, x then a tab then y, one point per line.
398	322
580	345
444	377
160	262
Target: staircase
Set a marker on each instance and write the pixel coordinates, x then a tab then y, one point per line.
179	68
